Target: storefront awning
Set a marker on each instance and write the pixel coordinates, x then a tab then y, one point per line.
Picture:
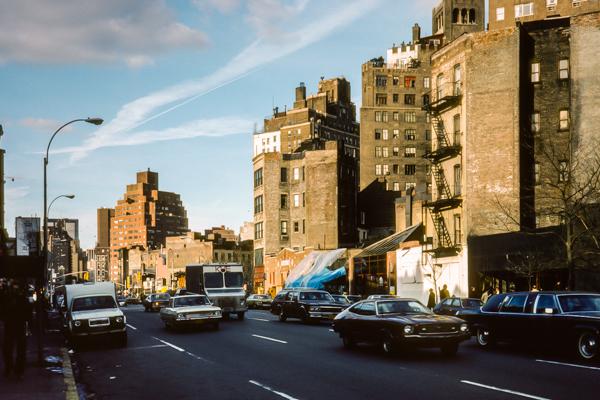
315	270
391	242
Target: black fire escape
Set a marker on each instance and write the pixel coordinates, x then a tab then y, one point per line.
442	150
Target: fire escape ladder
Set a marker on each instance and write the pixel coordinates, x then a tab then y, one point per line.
441	230
441	183
439	131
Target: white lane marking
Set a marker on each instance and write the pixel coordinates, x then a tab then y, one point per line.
260	319
530	396
285	396
271	339
569	365
169	344
132	327
156	346
198	357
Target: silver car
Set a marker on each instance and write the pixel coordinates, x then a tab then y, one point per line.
190	310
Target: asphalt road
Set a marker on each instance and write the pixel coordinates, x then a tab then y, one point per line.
261	358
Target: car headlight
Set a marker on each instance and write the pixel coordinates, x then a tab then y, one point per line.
77	323
315	308
408	329
119	320
464	327
156	303
180	316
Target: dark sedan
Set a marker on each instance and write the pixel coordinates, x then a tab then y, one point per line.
397	324
156	301
457	306
552	319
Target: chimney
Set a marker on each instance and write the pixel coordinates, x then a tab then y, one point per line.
416	31
301	92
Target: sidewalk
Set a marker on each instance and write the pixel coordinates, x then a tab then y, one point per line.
54	380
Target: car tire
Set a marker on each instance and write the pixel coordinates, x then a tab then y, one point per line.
282	316
348	341
241	316
484	337
588	345
387	344
449	350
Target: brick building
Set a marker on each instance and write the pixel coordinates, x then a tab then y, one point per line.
144	217
453	18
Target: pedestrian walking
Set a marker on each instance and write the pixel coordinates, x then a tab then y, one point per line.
431	300
444	293
16	312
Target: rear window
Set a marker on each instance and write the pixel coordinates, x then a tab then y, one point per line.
471	303
93	303
514	303
493	303
163	296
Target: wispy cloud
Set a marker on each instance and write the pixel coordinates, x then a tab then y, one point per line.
67	31
262	51
15	193
42	124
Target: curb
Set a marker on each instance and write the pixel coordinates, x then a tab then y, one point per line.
71	387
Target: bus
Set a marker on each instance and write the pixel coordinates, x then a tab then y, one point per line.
222	283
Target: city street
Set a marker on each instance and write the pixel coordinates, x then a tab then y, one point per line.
262	358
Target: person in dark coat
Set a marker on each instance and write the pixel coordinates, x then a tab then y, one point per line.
16	312
431	300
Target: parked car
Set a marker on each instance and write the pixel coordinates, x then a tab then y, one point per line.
156	301
133	300
341	299
306	304
552	319
353	298
122	301
457	306
381	296
259	301
399	323
190	310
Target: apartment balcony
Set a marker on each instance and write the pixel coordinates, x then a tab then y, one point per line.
443	97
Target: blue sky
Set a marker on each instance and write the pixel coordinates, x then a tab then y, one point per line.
180	85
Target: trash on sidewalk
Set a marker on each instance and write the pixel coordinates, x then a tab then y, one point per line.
112	377
53	360
56	370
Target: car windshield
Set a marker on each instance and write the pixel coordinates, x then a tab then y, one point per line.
162	296
234	279
187	301
316	296
93	303
401	307
471	303
341	299
579	302
213	279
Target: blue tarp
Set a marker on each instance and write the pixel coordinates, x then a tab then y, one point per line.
313	271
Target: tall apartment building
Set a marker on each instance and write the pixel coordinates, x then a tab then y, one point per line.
65	255
395	131
144	217
305	195
505	13
103	217
509	93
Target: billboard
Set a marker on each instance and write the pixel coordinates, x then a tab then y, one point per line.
27	232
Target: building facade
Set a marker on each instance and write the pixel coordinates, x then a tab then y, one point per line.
453	18
27	234
144	217
506	13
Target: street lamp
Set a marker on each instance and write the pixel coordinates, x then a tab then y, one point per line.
94	121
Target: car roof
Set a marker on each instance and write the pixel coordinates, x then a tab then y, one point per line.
188	295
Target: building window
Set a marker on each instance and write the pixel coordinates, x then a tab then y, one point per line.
303	226
457	80
396	169
455	14
396	116
410	152
381	80
284	201
395	97
377	134
385	152
457	229
378	151
563	122
296	200
395	80
258	177
410	134
439	86
427	134
536	172
535	72
563	171
378	170
457	180
377	116
258	204
258	230
396	151
303	199
409	185
551	5
396	186
535	122
385	135
381	99
523	10
563	69
384	116
577	3
284	227
409	99
410	116
296	174
410	169
386	169
283	178
296	226
410	81
426	82
396	134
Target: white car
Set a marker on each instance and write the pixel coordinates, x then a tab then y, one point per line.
190	310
